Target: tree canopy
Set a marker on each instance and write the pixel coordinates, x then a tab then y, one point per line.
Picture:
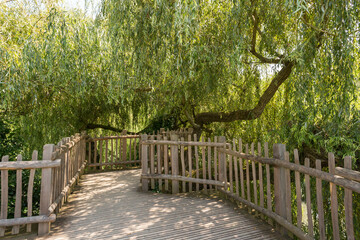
263	70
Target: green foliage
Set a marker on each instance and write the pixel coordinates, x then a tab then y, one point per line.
10	143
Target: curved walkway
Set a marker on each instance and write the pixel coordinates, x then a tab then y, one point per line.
110	205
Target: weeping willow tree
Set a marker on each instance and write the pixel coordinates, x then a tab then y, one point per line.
272	70
225	61
56	74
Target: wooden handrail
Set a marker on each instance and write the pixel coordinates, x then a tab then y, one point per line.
338	180
29	164
348	173
113	137
27	220
182	143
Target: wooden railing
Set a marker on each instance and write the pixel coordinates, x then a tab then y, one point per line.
113	151
165	159
61	167
267	185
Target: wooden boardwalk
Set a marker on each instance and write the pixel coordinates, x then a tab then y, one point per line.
110	205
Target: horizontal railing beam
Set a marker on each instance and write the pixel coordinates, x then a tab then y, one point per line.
338	180
29	164
27	220
348	173
182	143
113	137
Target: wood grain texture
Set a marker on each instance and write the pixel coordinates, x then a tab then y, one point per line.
236	171
261	184
210	163
115	209
333	198
17	212
174	165
308	200
241	168
268	182
46	189
319	202
30	190
166	164
197	175
190	163
253	169
4	194
288	190
348	205
298	191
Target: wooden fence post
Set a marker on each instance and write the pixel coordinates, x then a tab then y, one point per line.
174	164
222	163
46	189
280	183
144	163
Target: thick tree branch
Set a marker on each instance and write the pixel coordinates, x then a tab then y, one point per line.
210	117
253	51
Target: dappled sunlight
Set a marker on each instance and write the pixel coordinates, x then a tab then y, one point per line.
109	205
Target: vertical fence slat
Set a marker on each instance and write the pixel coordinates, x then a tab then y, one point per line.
101	153
268	182
117	150
190	163
288	190
46	189
298	191
247	174
319	201
254	175
124	147
182	156
152	162
30	190
241	171
112	154
196	163
166	164
203	162
106	153
135	158
215	161
280	184
130	148
95	152
308	200
334	201
174	164
17	212
144	163
159	165
231	177
348	205
261	185
236	170
222	164
4	194
209	162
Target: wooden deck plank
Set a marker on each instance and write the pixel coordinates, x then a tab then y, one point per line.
111	205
